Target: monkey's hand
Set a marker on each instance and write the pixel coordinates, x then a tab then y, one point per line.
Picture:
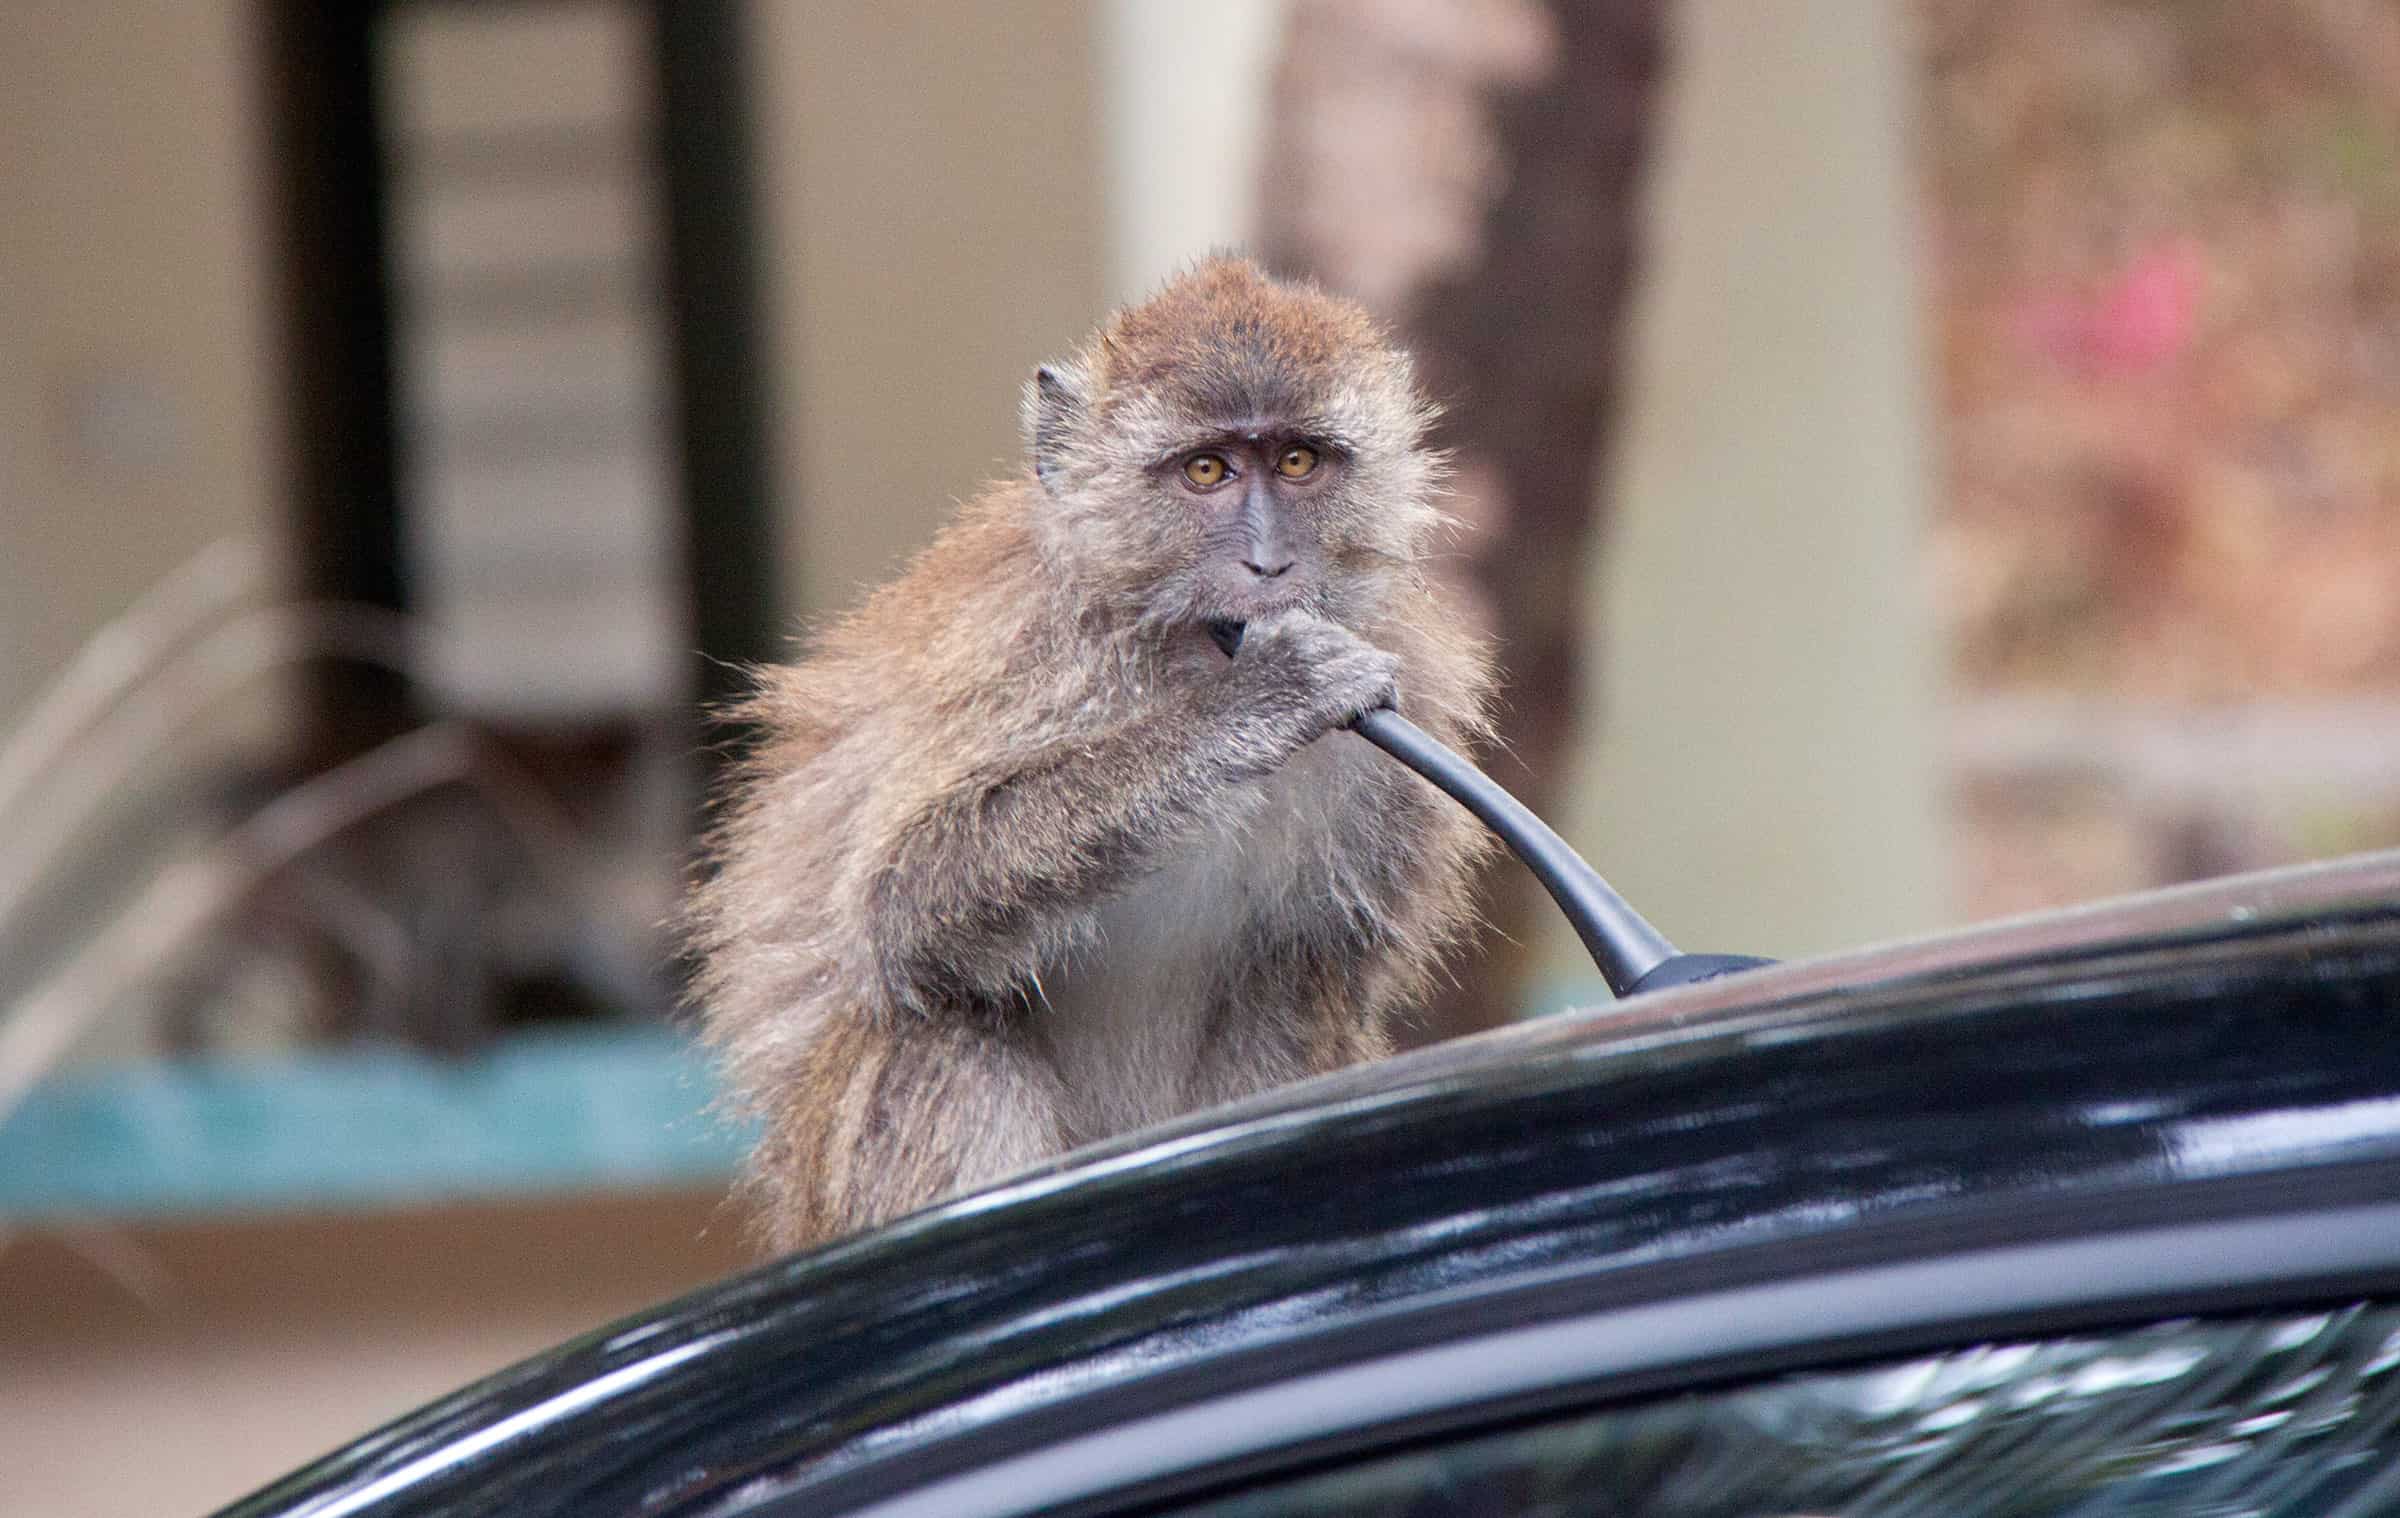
1295	677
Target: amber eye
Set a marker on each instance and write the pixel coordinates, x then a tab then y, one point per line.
1297	463
1204	469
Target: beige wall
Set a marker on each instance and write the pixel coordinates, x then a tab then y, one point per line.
267	1343
932	206
136	414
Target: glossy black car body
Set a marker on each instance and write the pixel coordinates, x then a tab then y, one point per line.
2187	1102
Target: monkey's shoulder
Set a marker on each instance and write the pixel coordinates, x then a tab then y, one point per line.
958	603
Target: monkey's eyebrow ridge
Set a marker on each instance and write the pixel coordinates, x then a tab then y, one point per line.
1312	431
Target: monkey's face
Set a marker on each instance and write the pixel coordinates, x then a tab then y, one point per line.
1233	447
1245	509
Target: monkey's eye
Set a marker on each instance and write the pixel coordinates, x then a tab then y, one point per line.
1298	462
1204	469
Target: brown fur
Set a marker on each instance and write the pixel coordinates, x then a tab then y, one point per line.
988	772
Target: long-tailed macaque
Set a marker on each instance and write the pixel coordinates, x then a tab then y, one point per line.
1024	858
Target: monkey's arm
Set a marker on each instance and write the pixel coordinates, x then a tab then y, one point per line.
986	880
989	878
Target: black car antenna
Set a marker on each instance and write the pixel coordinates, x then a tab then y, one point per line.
1631	954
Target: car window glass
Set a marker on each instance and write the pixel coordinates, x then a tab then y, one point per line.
2288	1414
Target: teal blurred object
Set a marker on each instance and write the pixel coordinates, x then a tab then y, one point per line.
539	1114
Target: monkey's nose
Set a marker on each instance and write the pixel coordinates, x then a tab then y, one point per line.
1268	572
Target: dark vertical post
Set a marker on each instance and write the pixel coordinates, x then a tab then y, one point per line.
720	373
330	214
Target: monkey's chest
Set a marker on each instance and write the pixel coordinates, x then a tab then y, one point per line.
1163	1009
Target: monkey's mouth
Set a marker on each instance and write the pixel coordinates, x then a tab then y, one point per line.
1247	603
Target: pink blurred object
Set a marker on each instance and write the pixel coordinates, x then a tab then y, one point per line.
2138	321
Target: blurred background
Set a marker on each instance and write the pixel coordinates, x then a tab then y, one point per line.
1921	459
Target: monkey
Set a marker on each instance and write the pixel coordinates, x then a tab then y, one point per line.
1057	835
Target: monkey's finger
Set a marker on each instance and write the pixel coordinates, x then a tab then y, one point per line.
1228	636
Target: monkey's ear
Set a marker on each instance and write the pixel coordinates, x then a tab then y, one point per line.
1054	406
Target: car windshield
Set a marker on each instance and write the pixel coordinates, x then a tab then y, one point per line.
2278	1415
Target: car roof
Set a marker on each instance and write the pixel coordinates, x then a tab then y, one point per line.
1827	988
2080	1065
